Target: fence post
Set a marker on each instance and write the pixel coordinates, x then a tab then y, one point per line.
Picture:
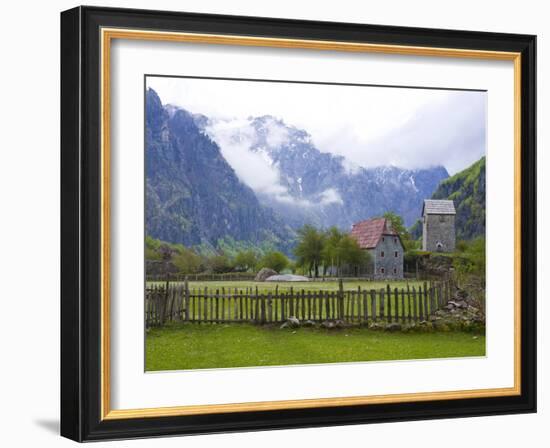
396	295
341	299
423	300
373	304
302	308
382	305
186	287
164	307
269	307
403	305
409	305
365	306
308	314
388	293
256	307
432	298
416	308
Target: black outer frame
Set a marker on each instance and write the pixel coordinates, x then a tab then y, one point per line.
80	223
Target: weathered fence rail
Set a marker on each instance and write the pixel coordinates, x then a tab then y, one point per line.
178	302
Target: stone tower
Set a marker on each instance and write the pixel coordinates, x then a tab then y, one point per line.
438	225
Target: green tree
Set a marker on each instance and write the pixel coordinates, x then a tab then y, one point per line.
350	253
330	253
398	226
219	263
309	249
152	254
245	260
187	261
471	260
274	260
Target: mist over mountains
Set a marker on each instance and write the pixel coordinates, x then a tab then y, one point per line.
291	176
259	179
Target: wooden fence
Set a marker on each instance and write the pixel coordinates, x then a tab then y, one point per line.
177	302
228	276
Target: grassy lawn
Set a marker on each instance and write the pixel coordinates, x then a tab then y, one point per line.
193	346
297	286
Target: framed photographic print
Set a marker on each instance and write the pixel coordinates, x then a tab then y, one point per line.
273	223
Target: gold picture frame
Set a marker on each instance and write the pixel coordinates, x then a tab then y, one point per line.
106	32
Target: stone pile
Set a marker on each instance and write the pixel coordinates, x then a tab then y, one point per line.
264	274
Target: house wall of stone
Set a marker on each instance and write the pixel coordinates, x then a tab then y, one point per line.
392	265
439	229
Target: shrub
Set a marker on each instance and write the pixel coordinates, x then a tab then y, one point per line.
274	260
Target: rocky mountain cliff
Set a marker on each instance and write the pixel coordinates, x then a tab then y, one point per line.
193	196
322	188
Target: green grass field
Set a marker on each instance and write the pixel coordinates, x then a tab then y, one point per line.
297	286
193	346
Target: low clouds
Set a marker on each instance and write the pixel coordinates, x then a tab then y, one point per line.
330	196
255	168
369	126
449	132
235	138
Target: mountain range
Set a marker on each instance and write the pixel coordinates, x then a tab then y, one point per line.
259	179
192	194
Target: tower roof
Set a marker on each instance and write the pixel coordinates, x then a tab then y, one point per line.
438	207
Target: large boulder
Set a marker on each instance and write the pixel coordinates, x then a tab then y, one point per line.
264	274
287	278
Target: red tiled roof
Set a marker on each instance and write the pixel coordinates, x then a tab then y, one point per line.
367	233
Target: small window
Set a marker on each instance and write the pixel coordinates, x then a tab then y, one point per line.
396	254
395	270
382	254
441	218
383	239
382	270
395	241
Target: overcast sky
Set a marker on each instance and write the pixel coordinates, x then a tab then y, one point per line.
370	126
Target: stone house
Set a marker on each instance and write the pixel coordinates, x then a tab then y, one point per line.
438	225
384	244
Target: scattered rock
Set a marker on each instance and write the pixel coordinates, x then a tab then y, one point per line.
393	327
441	326
461	293
425	326
408	327
264	274
308	323
340	324
328	324
291	322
